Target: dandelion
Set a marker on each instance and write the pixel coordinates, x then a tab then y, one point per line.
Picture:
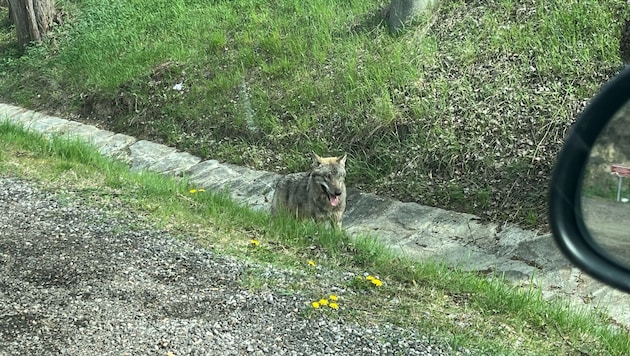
311	263
254	242
323	302
377	282
192	191
201	190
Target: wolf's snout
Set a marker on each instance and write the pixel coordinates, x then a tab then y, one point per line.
335	193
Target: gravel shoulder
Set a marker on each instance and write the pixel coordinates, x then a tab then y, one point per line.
79	280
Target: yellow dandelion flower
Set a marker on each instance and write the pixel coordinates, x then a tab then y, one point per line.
201	190
254	242
192	191
333	297
370	277
377	282
323	302
315	305
311	263
334	305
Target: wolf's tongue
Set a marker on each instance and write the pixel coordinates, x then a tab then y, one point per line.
334	200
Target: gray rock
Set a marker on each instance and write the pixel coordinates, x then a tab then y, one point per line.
87	133
144	153
46	124
212	174
175	163
115	146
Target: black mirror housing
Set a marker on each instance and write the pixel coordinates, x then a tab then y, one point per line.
565	212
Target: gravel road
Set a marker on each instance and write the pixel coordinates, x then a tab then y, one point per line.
79	280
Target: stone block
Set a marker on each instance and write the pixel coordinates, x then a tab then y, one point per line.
144	153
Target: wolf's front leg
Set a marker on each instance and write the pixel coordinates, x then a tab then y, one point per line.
335	223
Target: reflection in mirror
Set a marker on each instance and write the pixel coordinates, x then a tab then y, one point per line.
606	189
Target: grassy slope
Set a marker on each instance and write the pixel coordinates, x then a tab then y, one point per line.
460	309
465	110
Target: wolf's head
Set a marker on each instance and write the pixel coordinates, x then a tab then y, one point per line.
328	174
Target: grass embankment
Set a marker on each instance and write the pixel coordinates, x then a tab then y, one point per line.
464	110
461	309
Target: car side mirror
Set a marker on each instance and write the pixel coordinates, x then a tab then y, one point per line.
589	213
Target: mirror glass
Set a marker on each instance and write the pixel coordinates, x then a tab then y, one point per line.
606	189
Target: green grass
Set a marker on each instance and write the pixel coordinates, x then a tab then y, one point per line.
461	309
464	110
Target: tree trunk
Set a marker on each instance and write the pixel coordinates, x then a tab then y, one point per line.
401	11
32	19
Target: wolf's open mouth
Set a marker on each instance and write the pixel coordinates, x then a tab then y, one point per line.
332	198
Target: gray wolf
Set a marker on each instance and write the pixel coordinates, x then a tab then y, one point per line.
318	194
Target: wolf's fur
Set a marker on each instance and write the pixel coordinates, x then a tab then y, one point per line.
319	194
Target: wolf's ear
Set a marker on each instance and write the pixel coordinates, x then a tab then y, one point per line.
342	160
317	160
